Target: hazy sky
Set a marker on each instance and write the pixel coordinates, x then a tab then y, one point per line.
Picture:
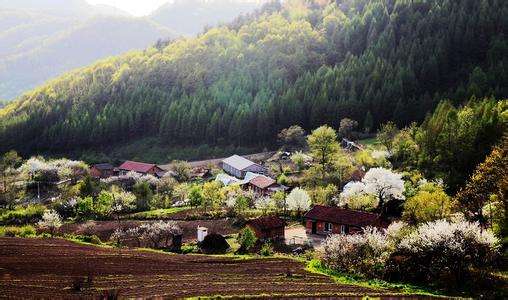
135	7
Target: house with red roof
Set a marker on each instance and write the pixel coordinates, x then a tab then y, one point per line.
325	220
141	168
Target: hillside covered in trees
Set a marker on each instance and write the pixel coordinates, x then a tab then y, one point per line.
301	62
42	39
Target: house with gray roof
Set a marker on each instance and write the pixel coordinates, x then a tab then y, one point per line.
239	166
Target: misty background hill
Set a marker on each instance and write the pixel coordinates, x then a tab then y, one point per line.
41	39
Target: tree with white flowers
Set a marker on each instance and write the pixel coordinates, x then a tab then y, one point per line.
51	221
382	183
298	200
385	184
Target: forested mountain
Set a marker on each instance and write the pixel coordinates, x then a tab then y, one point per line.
176	15
301	62
42	39
66	45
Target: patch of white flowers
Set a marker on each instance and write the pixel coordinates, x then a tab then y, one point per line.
51	221
298	200
452	236
155	235
134	176
446	242
379	182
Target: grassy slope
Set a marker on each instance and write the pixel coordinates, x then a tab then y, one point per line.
315	266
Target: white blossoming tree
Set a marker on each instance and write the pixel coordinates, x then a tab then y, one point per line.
382	183
298	200
51	221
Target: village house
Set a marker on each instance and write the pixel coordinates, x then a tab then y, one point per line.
325	220
102	170
239	166
141	168
267	228
264	186
260	184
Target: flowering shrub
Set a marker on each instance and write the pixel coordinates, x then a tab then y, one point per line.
364	253
156	235
436	252
51	221
443	251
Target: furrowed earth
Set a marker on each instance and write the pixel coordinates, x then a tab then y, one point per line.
56	268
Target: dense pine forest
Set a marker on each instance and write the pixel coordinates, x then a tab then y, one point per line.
301	62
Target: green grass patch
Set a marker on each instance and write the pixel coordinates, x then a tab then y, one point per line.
22	215
18	231
157	214
315	266
369	142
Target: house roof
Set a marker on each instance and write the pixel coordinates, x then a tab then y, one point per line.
238	162
103	167
266	223
262	182
136	166
344	216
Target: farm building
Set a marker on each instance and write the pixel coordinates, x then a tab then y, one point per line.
263	185
239	166
102	170
268	228
326	220
141	168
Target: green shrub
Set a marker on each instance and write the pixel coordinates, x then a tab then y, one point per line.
189	248
247	239
13	231
92	239
22	215
266	250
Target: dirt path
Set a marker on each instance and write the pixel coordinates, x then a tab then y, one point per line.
54	268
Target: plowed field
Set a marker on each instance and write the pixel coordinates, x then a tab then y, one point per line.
54	268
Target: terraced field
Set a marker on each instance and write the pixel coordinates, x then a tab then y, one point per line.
54	268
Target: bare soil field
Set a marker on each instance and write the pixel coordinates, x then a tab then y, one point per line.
55	269
104	229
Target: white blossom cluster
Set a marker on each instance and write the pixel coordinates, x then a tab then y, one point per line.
445	240
155	235
357	253
298	200
63	167
133	176
51	221
455	237
379	182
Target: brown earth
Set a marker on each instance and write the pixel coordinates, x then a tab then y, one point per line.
56	269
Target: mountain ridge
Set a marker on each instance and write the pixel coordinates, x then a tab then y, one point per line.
292	63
